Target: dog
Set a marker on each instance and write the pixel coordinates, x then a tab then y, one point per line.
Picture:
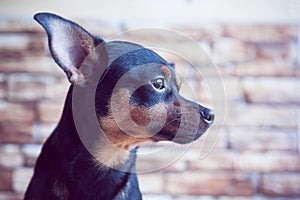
66	168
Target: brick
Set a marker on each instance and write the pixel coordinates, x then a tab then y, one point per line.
2	86
5	179
190	197
105	29
160	158
231	50
255	139
16	112
261	33
277	52
157	197
204	32
214	140
25	87
214	161
30	64
268	162
41	131
16	133
217	183
281	184
264	67
49	111
18	25
194	89
250	198
233	89
10	156
272	90
21	179
10	196
31	153
261	116
57	89
146	183
18	45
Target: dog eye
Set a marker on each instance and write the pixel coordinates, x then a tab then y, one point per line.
159	83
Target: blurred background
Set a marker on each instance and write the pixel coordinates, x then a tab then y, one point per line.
255	45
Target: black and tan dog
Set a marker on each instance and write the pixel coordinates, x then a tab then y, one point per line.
66	169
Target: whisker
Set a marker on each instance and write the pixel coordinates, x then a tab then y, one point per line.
173	120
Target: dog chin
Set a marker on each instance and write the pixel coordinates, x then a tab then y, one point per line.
180	139
187	139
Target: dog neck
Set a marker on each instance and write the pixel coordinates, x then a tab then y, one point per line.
111	170
106	154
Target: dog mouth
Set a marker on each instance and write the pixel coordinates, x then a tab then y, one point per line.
185	132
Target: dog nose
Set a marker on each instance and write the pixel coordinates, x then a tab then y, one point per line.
208	115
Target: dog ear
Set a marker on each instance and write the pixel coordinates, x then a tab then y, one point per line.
69	43
172	65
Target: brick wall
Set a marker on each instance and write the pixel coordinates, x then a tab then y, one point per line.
257	155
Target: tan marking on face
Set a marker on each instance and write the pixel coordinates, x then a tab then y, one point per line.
167	72
119	138
178	81
140	115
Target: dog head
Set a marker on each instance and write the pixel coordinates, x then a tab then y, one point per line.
137	97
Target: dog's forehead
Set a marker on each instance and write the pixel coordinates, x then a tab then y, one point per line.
116	49
142	63
132	54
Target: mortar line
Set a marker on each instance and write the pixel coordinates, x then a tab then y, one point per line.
298	124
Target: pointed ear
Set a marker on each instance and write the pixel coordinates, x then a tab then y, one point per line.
172	65
69	43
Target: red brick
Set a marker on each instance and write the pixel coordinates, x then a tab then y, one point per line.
248	198
57	89
30	64
263	67
262	116
285	185
16	132
209	32
255	139
105	29
215	183
261	33
21	179
159	159
193	197
272	90
18	25
5	179
268	162
2	86
10	156
157	197
49	111
25	87
41	131
10	196
231	50
30	153
214	161
277	52
213	141
16	45
233	89
146	183
16	112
